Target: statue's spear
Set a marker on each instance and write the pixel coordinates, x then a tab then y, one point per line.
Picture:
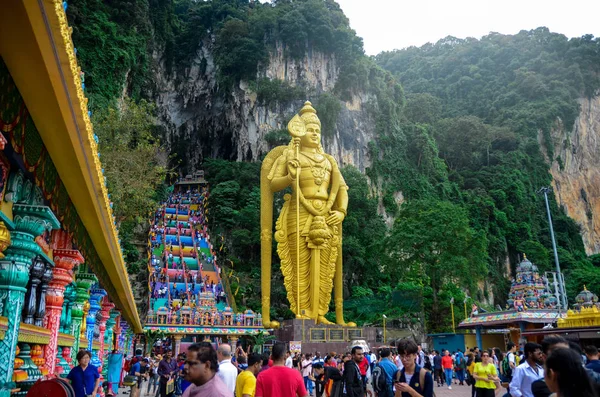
297	129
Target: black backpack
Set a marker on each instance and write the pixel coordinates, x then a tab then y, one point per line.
379	379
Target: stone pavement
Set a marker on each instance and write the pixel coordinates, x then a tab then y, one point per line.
457	391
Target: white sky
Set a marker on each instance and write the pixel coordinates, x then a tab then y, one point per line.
395	24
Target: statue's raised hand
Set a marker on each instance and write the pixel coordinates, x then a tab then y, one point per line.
293	164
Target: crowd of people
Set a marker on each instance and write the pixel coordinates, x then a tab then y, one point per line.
556	367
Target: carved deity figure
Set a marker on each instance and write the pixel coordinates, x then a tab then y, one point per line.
309	227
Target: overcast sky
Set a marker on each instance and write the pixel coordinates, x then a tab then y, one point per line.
390	24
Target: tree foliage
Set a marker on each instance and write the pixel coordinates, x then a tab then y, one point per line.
135	167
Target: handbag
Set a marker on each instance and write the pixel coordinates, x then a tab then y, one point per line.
130	380
170	386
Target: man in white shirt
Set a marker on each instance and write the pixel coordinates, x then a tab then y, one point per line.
289	362
227	371
528	372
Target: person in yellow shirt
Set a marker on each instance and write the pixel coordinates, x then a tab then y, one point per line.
486	376
245	384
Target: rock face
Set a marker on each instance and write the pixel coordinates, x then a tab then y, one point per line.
201	121
577	180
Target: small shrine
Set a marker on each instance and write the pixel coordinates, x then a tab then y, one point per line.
530	307
585	313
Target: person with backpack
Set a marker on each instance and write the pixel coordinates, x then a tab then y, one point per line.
412	380
509	363
460	364
383	374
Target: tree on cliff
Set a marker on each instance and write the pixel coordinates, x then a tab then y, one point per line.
431	240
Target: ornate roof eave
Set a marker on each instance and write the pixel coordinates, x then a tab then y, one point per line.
36	46
507	317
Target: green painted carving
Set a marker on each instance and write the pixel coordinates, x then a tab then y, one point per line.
83	283
30	222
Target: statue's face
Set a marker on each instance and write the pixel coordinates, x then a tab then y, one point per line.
312	138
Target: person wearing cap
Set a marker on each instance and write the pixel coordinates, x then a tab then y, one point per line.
323	375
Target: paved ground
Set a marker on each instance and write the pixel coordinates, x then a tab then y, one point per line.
457	391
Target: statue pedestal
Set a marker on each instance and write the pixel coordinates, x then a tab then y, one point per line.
324	338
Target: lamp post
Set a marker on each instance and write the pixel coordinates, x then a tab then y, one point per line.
563	301
452	308
384	335
465	305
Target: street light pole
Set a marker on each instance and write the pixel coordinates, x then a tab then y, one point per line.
384	335
545	191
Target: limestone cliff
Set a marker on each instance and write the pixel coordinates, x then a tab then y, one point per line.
202	121
576	171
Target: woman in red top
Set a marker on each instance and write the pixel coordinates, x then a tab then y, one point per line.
447	364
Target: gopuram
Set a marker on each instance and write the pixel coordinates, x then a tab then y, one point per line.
530	306
63	281
189	295
308	232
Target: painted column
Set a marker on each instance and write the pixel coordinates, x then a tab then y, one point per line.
96	295
123	336
233	340
108	340
66	319
40	310
117	331
177	339
83	282
478	337
65	260
35	278
30	221
107	306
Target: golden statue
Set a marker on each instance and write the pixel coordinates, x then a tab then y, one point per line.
309	227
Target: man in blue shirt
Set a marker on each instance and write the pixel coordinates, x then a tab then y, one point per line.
593	362
84	377
390	370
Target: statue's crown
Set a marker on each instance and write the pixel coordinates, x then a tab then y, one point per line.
309	114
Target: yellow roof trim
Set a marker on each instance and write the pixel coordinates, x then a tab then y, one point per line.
36	46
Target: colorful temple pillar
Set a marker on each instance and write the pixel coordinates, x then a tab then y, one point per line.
109	345
65	260
107	306
40	309
177	342
123	335
66	316
83	281
96	295
116	330
31	218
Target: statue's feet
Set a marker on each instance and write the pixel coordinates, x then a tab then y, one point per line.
345	324
303	317
271	324
323	320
